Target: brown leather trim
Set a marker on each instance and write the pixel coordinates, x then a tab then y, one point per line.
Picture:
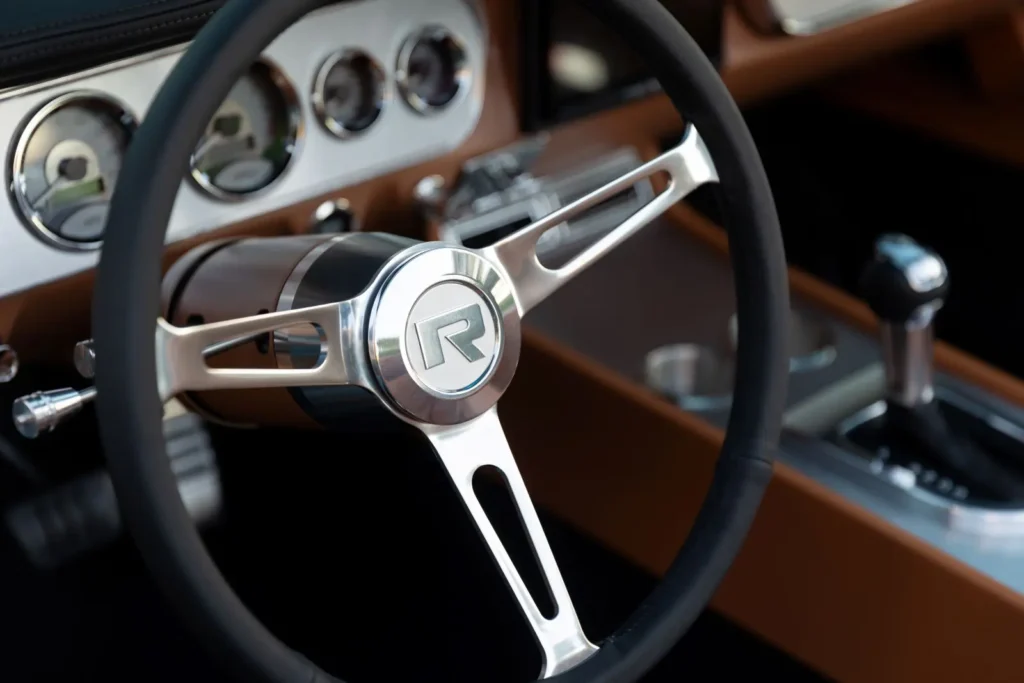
911	93
757	65
822	579
996	51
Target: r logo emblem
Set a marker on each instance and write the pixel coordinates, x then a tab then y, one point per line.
430	332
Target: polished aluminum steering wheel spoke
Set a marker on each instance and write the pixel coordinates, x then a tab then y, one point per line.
464	449
688	166
182	352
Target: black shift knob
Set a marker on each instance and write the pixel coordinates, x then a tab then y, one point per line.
904	281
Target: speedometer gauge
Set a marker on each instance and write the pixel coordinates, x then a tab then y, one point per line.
66	164
251	139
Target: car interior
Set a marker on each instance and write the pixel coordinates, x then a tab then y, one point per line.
502	340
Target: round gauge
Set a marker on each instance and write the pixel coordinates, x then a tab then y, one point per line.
65	166
251	139
432	69
349	92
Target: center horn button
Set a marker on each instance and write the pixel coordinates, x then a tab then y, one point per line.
444	335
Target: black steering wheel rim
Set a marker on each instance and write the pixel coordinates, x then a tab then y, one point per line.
127	305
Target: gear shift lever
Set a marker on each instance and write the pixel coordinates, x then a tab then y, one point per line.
906	285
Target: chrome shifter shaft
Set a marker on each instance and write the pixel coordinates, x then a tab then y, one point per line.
906	285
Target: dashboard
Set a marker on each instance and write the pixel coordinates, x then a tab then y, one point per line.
385	85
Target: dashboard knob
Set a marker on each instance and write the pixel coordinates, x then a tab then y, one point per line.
332	218
9	363
85	359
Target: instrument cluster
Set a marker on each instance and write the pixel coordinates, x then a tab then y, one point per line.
347	93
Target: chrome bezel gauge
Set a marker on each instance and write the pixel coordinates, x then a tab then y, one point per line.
378	84
293	138
458	55
118	113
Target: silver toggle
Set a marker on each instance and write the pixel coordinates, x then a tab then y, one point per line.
44	411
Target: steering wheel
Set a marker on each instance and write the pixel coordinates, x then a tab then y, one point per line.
394	340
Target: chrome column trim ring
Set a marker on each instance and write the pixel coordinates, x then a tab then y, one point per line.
282	341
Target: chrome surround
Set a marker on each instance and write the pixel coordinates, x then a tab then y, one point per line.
366	342
15	167
380	85
463	72
296	134
390	329
284	340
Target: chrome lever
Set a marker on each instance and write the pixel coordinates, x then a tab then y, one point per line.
44	411
906	285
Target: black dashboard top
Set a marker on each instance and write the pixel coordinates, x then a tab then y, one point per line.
45	39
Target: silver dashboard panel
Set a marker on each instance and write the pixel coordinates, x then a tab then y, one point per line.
323	163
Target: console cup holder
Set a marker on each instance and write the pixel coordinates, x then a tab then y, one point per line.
812	341
696	378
